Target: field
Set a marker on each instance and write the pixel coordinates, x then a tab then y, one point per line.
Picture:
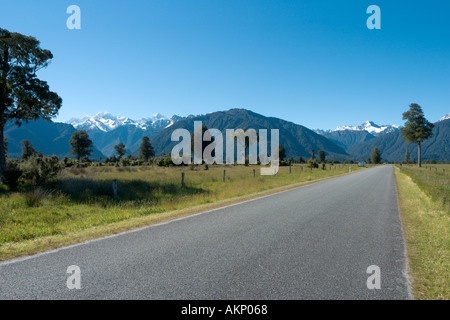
434	180
424	208
79	204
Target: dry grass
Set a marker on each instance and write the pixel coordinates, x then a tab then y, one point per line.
426	225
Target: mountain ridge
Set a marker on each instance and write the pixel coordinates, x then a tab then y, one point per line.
297	139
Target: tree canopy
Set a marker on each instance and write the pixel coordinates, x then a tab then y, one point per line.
321	155
23	96
80	144
417	128
376	155
27	149
120	150
146	150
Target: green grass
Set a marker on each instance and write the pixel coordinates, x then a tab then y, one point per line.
434	180
426	225
79	203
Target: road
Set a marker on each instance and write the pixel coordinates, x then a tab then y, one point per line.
312	242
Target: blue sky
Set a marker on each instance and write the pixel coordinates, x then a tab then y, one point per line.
311	62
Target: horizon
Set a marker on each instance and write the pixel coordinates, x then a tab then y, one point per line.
318	61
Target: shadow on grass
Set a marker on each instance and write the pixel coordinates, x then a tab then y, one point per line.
85	190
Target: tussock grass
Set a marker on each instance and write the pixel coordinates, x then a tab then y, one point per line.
426	225
79	203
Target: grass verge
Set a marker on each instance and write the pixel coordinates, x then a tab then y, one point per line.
426	225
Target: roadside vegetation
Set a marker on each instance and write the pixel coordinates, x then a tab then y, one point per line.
37	216
433	179
424	207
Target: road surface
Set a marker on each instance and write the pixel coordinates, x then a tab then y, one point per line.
312	242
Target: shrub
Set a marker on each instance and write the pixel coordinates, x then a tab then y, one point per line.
313	163
12	173
67	162
165	161
38	170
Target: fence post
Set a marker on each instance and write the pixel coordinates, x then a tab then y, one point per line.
289	168
224	175
254	172
114	187
349	169
182	179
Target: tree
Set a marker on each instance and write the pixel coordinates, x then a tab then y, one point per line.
281	153
120	150
417	128
80	144
23	97
321	155
204	143
146	150
27	149
407	156
376	155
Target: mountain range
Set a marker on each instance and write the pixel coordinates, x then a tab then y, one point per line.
343	143
350	136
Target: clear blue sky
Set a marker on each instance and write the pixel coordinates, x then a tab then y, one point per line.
311	62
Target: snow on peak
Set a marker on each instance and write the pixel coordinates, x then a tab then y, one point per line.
446	117
370	127
105	121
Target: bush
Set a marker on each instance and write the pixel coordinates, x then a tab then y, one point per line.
124	162
12	173
313	163
38	170
165	162
68	162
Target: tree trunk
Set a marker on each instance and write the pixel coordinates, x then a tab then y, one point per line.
2	152
419	160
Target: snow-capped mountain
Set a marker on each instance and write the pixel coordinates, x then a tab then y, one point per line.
349	136
368	126
446	117
371	127
105	121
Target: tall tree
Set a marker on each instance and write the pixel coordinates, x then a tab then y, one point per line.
376	155
120	150
23	96
417	128
204	143
321	155
80	144
146	150
407	156
27	149
281	153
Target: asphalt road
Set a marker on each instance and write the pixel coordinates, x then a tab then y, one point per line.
312	242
